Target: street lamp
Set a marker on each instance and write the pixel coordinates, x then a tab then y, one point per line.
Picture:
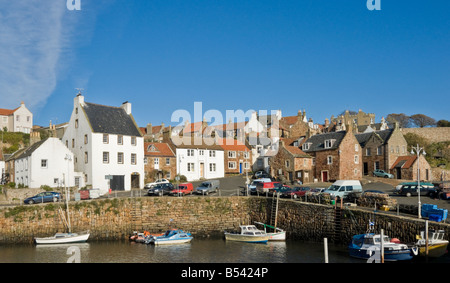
418	149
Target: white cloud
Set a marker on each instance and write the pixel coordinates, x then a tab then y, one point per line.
32	40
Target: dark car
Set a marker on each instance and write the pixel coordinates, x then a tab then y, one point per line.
261	174
411	190
161	189
296	192
43	197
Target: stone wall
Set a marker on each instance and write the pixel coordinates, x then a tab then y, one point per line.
117	218
435	134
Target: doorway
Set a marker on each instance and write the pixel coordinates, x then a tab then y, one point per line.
135	181
324	176
118	183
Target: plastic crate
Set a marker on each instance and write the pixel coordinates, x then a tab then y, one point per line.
435	217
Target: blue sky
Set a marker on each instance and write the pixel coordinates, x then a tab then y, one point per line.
322	56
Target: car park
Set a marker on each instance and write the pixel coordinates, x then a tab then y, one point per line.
157	182
161	189
382	173
43	197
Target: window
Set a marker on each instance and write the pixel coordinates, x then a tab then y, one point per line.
212	167
105	138
232	165
190	152
73	143
376	165
156	161
246	155
329	143
119	139
120	157
212	153
246	165
356	159
368	151
231	154
133	140
105	157
356	147
306	146
287	163
167	161
201	152
329	159
86	160
76	123
44	163
133	158
85	139
17	118
190	167
379	150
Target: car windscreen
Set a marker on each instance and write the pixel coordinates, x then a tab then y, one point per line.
334	188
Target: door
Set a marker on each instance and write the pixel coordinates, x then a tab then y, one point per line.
366	168
324	176
202	170
118	183
135	180
240	168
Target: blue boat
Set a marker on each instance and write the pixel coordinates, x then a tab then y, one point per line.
368	246
171	237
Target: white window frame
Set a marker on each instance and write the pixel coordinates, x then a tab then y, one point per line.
329	159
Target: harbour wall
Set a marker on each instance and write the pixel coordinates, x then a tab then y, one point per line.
117	218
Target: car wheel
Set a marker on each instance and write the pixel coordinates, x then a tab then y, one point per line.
408	194
30	201
55	199
386	176
295	196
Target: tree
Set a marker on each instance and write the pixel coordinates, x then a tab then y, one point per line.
402	120
421	120
443	123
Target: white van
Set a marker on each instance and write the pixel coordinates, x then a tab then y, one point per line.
340	189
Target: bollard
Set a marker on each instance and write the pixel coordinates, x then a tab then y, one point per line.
325	247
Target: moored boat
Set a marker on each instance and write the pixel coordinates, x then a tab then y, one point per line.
278	234
171	237
437	246
64	238
368	246
249	234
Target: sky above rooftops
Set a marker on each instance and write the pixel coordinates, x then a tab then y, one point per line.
320	56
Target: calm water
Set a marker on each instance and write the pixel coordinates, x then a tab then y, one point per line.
198	251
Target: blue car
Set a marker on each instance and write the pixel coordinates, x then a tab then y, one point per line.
43	197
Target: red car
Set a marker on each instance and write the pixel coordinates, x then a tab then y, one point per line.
296	192
183	189
263	188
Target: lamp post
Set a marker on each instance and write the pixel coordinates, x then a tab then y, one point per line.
418	150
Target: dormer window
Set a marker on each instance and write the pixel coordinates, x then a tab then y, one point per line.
306	146
329	143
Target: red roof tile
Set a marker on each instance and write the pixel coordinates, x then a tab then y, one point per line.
158	149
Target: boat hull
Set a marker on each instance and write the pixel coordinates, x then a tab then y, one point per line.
63	239
247	238
436	250
279	236
170	242
392	255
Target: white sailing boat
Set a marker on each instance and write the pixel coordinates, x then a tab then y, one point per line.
64	238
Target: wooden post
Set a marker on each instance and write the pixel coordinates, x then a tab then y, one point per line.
382	246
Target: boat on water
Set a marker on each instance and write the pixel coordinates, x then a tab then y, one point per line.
437	246
64	238
278	234
368	246
249	234
171	237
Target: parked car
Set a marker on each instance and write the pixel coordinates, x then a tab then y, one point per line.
161	189
315	191
296	192
43	197
382	173
208	187
157	182
263	188
279	189
411	189
261	174
340	189
252	186
183	189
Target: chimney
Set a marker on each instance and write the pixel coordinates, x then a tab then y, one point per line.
149	129
127	107
79	100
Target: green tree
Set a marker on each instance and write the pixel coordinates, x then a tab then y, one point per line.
443	123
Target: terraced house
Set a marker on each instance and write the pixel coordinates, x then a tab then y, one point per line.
107	144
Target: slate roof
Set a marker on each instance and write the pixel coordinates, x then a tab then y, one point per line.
110	120
318	141
29	150
364	137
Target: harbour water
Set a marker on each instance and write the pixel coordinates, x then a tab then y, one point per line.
198	251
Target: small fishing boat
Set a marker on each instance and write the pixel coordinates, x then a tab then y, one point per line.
437	246
64	238
249	234
368	246
171	237
278	234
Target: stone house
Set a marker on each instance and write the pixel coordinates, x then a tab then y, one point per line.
237	156
336	156
107	144
405	167
291	163
380	149
160	161
298	126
